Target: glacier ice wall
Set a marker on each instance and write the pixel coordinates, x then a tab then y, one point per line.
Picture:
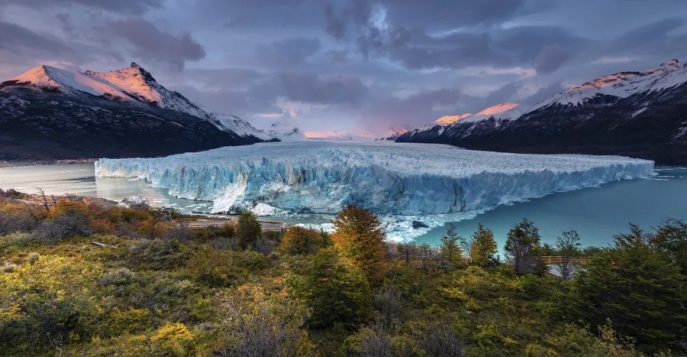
388	178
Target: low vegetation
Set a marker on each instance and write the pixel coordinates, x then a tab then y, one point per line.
81	278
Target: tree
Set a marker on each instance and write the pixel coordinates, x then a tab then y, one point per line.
568	245
483	247
450	246
336	291
248	230
427	254
521	247
407	250
638	288
671	239
299	240
360	238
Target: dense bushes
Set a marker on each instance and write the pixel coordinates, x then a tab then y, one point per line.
155	288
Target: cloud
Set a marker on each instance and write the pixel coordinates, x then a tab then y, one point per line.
146	41
543	93
335	24
16	37
288	52
118	6
551	58
417	109
613	59
233	77
360	14
648	33
309	88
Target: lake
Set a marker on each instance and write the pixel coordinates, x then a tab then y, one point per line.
596	213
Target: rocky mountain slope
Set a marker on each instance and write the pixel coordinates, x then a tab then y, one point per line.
50	113
640	114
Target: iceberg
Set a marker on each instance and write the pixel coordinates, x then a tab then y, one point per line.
390	179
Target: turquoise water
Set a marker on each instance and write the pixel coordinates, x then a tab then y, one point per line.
596	213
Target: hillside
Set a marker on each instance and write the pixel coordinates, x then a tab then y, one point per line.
83	277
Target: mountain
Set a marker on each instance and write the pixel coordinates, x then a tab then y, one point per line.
241	127
638	113
285	132
51	113
488	118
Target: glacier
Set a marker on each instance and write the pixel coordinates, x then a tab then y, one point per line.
391	179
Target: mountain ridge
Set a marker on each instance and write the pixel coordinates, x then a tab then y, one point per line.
631	113
126	108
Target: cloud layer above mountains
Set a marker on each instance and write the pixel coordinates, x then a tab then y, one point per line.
358	66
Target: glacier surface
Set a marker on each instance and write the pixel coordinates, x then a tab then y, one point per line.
391	179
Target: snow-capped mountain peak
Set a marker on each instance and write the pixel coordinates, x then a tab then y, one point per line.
498	109
622	85
133	80
450	119
139	83
508	111
52	78
672	64
132	84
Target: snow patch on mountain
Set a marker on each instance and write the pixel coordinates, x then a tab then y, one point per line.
503	111
285	132
450	119
240	126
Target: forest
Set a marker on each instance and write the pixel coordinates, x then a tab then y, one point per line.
86	277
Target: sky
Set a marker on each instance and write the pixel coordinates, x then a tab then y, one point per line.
360	67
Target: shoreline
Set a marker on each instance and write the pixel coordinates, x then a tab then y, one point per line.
10	163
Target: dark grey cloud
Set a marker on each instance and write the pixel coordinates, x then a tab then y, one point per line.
455	51
551	58
544	93
288	52
119	6
148	42
229	77
309	88
336	24
501	95
417	109
650	32
17	37
654	37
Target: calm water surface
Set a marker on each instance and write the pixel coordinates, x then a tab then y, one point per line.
596	213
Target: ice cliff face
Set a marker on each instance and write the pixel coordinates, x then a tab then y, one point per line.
388	178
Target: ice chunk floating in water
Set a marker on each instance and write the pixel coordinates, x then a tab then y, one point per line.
388	178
